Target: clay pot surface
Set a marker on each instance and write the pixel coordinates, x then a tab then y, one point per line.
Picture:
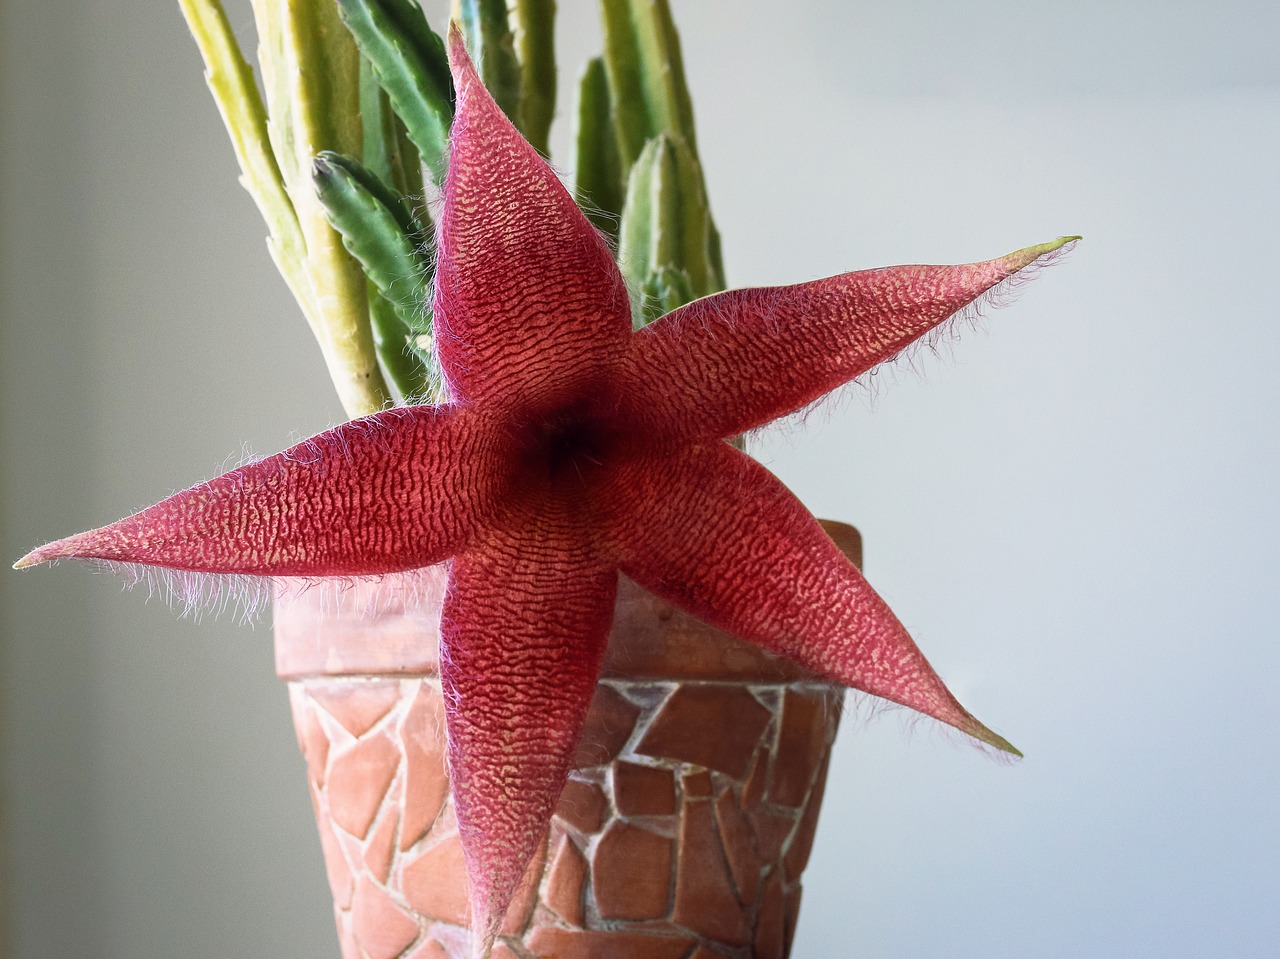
681	834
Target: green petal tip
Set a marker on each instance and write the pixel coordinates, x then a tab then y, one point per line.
1061	243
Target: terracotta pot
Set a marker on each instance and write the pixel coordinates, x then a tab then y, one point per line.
682	832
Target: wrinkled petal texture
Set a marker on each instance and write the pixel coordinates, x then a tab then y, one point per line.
398	490
522	637
531	312
722	538
733	361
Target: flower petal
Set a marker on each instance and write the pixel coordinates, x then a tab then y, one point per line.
715	533
522	636
530	310
400	489
733	361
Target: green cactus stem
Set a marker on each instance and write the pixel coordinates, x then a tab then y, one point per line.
409	61
599	185
666	220
533	30
489	38
666	229
378	230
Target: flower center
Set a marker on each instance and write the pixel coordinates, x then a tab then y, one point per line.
569	446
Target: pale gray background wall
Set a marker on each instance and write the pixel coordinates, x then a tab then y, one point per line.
1076	511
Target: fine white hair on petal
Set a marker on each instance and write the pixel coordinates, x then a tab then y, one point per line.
193	594
196	594
861	709
369	596
939	341
942	337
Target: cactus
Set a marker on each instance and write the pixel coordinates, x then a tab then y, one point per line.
666	211
359	98
388	241
600	185
665	228
532	24
275	142
409	61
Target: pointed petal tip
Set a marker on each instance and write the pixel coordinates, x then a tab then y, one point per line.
461	66
992	739
485	927
457	47
47	553
1030	254
77	546
1063	243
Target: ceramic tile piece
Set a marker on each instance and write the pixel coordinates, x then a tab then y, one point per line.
756	781
805	731
771	827
379	851
547	942
802	842
739	847
705	899
359	777
566	883
608	727
341	881
312	738
631	873
793	914
643	790
696	784
431	949
356	704
431	883
426	783
680	730
347	944
770	941
583	806
380	926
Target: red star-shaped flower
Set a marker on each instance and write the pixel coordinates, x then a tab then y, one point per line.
571	450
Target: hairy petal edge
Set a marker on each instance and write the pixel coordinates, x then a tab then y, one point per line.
733	361
715	533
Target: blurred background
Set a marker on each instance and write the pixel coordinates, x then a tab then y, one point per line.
1073	507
